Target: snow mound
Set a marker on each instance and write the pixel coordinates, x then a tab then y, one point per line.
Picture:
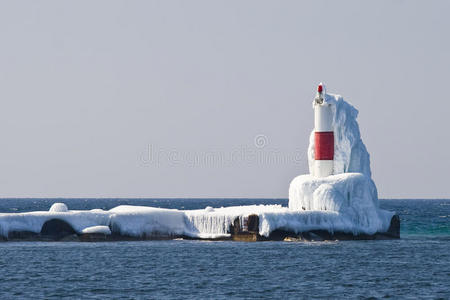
33	221
97	229
352	196
209	209
350	153
58	207
141	221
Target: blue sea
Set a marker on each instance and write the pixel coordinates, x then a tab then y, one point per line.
416	266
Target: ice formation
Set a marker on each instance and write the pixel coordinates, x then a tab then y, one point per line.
139	221
350	153
352	196
351	192
344	202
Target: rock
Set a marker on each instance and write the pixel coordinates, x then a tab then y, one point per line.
70	238
235	228
22	236
292	239
251	234
280	235
247	237
253	223
94	237
394	227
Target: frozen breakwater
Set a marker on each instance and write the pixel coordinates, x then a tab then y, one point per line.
253	222
337	200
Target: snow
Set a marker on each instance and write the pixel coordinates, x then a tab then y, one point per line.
33	221
350	153
58	207
352	196
97	229
142	220
139	221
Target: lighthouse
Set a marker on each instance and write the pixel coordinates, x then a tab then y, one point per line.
323	135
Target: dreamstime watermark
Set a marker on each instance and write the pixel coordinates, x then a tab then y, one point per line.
261	141
259	153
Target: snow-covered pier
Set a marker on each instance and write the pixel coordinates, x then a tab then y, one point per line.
242	223
337	200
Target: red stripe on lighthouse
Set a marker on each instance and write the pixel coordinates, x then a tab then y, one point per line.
324	145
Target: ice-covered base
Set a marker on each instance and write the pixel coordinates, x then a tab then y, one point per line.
351	196
210	223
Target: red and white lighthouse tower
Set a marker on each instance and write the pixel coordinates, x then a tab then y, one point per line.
323	135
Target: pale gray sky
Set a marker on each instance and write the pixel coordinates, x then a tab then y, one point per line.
89	88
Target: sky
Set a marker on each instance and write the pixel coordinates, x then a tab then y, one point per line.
213	98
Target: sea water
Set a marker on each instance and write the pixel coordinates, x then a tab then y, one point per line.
417	265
